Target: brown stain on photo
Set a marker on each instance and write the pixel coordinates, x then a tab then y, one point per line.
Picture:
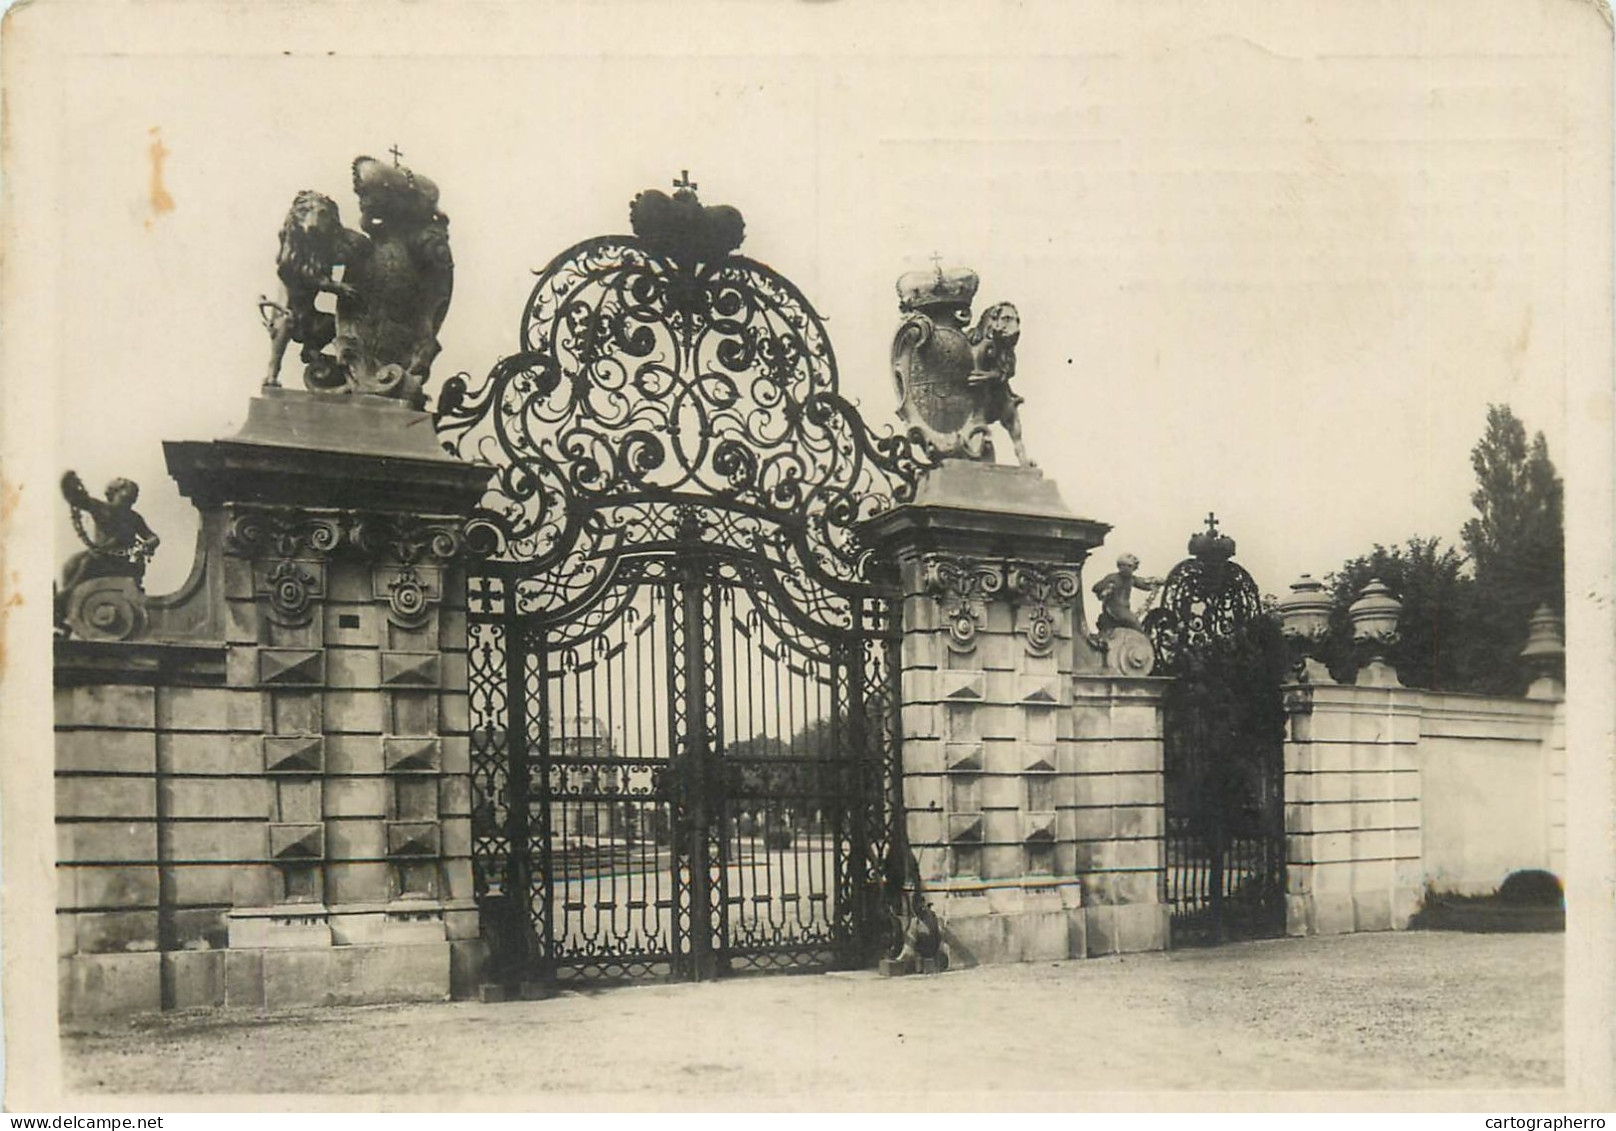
157	195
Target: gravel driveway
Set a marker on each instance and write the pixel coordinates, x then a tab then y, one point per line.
1381	1011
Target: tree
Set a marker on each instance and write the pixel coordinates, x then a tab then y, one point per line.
1435	646
1517	539
1465	617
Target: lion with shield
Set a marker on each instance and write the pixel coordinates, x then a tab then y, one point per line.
313	244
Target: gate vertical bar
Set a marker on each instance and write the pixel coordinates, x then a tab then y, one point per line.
519	867
714	777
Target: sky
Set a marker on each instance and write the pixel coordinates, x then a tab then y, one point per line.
1267	267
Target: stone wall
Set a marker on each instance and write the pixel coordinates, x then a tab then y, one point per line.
1390	790
263	793
1487	767
1117	817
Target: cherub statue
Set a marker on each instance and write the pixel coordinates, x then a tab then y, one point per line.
122	542
1115	591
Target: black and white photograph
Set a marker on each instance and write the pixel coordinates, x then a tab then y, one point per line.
808	556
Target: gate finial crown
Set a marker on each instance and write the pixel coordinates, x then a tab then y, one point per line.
1210	546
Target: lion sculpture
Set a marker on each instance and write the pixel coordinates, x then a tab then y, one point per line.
313	244
993	352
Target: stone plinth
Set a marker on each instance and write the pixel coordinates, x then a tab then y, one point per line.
990	560
292	726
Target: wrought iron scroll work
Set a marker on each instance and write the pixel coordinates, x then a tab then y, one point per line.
1201	601
643	381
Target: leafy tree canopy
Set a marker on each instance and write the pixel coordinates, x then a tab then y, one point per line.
1462	629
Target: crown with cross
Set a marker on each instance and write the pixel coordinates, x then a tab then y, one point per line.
1210	545
681	227
394	189
937	287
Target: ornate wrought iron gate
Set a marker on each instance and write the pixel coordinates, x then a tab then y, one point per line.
1223	749
683	743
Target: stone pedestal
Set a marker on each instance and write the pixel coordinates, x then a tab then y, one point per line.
990	563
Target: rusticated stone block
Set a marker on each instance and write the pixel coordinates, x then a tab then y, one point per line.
353	754
405	755
116	932
352	625
415	799
412	839
451	629
121	751
106	705
356	840
297	843
291	667
458	879
197	978
244	978
454	713
466	960
456	754
356	975
98	985
106	842
412	712
203	753
217	797
454	796
218	841
297	800
358	668
200	928
356	797
296	712
209	708
410	669
300	754
358	882
97	886
454	671
132	798
353	712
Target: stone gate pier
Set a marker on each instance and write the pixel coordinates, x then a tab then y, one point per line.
1032	775
262	790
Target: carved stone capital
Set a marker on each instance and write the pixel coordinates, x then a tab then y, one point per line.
291	533
282	532
409	538
1039	592
961	587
